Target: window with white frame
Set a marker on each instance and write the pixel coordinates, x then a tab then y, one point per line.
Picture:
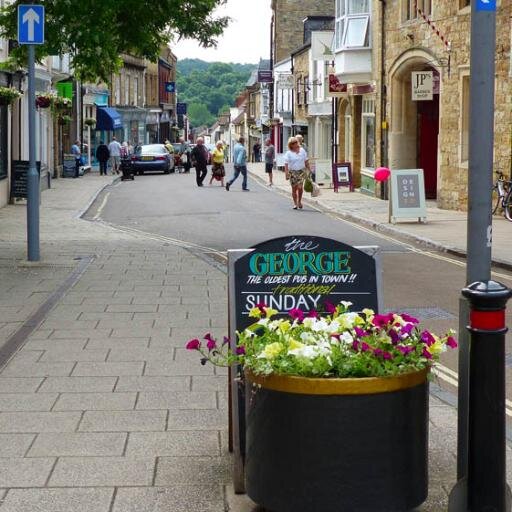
135	90
117	90
352	25
298	90
126	90
348	134
368	133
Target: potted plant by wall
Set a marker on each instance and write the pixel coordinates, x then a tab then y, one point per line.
337	408
8	95
90	121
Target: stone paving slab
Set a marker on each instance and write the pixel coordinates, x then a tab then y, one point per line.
20	472
96	402
69	444
15	445
122	421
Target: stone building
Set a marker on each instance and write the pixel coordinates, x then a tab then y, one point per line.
432	134
288	29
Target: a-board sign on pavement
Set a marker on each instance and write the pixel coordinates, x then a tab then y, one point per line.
407	195
297	271
19	177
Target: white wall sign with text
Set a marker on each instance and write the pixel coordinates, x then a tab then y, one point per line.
422	85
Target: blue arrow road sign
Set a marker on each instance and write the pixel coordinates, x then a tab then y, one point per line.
485	5
30	24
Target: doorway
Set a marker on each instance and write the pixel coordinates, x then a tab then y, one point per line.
427	137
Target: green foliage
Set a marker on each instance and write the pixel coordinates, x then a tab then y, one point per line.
213	85
96	33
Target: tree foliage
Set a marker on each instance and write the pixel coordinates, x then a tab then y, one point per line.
212	85
97	32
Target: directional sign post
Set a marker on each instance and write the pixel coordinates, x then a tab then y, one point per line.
31	32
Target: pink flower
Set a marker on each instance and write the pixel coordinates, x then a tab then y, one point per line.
365	347
240	351
329	307
296	314
426	353
262	307
451	342
427	338
409	318
405	349
194	344
312	314
387	355
211	344
355	345
378	352
360	333
382	320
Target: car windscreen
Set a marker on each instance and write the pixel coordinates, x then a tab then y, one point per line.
152	149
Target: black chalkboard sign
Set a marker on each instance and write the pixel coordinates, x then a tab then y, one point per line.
303	272
19	173
68	166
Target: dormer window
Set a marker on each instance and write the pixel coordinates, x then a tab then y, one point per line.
352	29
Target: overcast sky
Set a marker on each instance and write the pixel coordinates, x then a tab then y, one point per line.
245	40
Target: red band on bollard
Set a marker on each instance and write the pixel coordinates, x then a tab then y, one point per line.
487	320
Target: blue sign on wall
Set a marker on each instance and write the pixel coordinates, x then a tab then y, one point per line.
181	108
30	24
485	5
170	86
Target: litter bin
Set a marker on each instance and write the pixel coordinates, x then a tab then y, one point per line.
126	169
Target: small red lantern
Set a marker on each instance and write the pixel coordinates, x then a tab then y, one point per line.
382	174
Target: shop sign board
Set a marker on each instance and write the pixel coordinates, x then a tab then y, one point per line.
19	173
407	195
422	85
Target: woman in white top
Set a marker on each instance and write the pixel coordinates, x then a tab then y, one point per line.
295	165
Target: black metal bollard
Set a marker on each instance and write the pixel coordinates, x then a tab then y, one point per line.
486	485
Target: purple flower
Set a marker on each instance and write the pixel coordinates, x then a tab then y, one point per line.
194	344
426	353
394	336
451	342
335	336
355	345
240	351
225	341
329	307
427	338
409	318
312	314
208	337
296	314
405	349
406	329
262	307
365	347
211	344
387	355
360	333
378	352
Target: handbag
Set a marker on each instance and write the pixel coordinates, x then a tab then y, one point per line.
184	158
315	192
308	185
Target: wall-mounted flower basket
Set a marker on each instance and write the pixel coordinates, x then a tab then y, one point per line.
90	121
43	102
9	95
61	103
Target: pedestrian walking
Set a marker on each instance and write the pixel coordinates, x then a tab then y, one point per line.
199	157
296	168
270	153
75	150
102	155
300	138
184	152
240	161
256	149
115	155
218	171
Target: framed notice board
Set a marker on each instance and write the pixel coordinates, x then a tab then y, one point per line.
19	174
407	195
342	175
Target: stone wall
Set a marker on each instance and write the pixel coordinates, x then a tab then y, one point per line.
289	29
300	62
413	44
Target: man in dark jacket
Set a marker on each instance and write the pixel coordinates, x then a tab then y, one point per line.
102	155
200	160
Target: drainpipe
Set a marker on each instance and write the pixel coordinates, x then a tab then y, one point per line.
383	102
293	97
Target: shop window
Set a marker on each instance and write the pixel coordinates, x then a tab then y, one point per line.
135	91
368	133
464	124
351	29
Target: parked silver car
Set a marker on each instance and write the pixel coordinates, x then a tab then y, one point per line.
152	157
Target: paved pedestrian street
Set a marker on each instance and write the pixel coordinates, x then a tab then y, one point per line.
101	408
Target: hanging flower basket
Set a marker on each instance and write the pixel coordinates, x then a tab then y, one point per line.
64	119
90	121
43	101
61	103
8	95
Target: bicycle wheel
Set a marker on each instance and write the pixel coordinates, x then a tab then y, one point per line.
507	205
497	201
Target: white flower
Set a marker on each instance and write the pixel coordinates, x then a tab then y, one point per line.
346	303
319	325
263	321
333	327
308	322
346	337
307	337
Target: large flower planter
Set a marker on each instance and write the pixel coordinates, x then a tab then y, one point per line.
337	445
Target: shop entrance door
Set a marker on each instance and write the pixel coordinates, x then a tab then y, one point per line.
428	131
